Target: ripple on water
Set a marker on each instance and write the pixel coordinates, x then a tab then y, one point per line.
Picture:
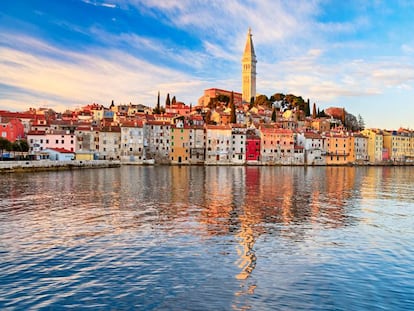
219	238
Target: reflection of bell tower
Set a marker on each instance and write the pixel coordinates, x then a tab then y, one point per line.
249	70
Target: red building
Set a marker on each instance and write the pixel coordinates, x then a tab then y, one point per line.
11	129
178	108
252	147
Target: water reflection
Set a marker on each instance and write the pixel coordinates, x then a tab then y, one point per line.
164	232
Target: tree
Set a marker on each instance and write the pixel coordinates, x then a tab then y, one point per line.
274	114
251	105
361	123
173	101
223	99
307	108
261	100
157	109
167	100
314	111
5	145
233	108
351	122
277	97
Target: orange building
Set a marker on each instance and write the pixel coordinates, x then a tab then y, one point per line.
337	147
180	149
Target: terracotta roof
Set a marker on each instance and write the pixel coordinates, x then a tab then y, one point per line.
60	150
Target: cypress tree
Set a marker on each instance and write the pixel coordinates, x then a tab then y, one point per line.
233	108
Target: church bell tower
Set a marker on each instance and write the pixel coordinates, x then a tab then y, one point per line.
249	70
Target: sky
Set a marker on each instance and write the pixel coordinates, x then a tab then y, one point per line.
356	54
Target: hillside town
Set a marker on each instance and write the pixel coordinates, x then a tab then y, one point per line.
223	128
183	134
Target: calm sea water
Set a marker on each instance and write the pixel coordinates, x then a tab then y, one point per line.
208	238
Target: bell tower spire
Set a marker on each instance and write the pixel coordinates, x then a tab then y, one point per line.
249	69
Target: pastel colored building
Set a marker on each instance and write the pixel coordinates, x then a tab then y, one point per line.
40	140
110	143
277	145
60	154
178	108
312	142
132	141
180	145
238	144
337	147
157	140
218	144
87	139
11	129
359	148
197	144
398	145
375	144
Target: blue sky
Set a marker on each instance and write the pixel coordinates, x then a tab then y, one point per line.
356	54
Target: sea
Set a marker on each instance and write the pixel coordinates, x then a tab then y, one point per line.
208	238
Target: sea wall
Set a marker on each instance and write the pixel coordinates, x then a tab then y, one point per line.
48	165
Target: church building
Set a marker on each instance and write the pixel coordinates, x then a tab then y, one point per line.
249	70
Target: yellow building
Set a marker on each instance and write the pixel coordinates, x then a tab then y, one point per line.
180	149
375	144
338	148
398	145
84	155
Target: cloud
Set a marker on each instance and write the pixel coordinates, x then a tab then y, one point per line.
312	77
64	78
99	3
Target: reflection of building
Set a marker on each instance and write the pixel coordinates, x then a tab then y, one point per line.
247	256
249	70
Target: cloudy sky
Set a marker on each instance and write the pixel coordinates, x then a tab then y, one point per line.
357	54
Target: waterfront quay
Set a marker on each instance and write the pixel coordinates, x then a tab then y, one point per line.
48	165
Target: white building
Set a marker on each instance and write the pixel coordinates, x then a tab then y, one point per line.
238	144
110	143
312	143
132	142
218	144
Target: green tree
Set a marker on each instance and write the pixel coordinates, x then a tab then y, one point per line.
307	108
157	109
274	114
223	99
277	97
173	101
251	105
233	108
314	111
361	123
167	100
261	100
5	145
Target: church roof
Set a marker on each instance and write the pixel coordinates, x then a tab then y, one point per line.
249	48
